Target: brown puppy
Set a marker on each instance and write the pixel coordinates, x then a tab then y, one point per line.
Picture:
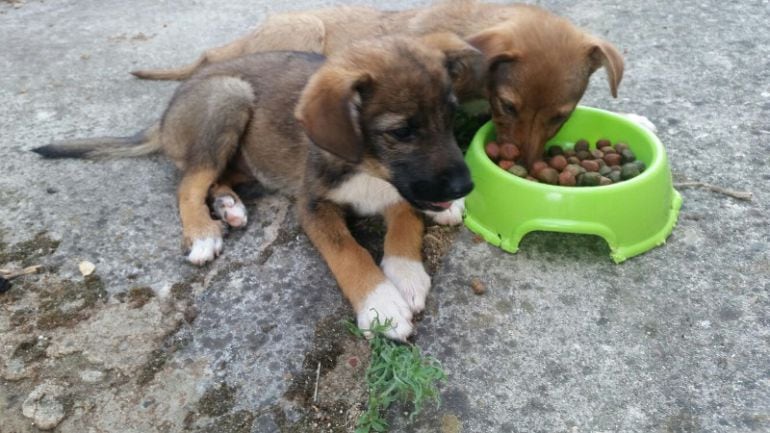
539	64
377	139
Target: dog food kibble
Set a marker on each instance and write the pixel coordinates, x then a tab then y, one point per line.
558	162
509	151
603	143
612	158
548	175
477	286
629	170
518	170
505	164
580	165
538	166
566	178
590	165
583	155
555	151
581	145
492	150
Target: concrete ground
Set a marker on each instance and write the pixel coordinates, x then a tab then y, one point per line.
563	340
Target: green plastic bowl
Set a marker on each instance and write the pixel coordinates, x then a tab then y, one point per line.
633	216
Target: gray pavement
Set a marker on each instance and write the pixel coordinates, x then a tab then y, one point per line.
563	340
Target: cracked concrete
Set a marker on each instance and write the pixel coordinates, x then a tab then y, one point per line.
562	340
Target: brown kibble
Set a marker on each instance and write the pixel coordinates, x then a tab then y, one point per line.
505	164
583	155
581	145
608	149
612	159
492	150
555	150
603	143
605	181
566	178
573	160
548	175
575	169
620	147
558	162
478	287
569	152
537	167
597	154
509	151
590	165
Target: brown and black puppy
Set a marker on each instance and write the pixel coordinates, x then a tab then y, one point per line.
369	130
538	63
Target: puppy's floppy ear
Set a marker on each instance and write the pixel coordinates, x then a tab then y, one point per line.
328	109
602	53
464	62
495	44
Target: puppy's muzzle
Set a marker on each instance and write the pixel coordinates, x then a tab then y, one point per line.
437	193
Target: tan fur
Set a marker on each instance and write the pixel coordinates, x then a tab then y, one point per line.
193	211
371	130
404	235
352	266
553	59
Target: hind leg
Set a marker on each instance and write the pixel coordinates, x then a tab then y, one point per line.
227	206
202	236
201	133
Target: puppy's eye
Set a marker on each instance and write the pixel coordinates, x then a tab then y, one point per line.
509	108
405	133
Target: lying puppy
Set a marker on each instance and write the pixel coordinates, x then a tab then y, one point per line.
538	64
371	132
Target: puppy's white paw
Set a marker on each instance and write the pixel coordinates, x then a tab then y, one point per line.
641	121
204	250
383	303
410	278
451	216
230	210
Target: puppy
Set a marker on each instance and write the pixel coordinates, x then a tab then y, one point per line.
538	64
371	133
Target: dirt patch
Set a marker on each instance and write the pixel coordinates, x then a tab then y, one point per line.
136	297
341	388
28	251
236	422
435	245
68	302
217	400
31	350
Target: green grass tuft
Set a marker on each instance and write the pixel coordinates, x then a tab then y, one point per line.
396	372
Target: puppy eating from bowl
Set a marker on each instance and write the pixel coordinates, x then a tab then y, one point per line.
367	131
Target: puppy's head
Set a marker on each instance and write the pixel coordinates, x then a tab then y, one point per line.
538	67
387	107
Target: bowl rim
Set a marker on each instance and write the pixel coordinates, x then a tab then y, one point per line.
658	163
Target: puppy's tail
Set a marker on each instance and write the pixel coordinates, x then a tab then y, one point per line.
142	143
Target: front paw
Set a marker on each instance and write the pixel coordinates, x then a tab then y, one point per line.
410	278
451	216
385	303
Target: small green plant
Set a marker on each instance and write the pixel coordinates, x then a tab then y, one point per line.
396	372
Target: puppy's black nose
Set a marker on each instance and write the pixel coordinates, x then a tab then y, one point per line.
458	182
